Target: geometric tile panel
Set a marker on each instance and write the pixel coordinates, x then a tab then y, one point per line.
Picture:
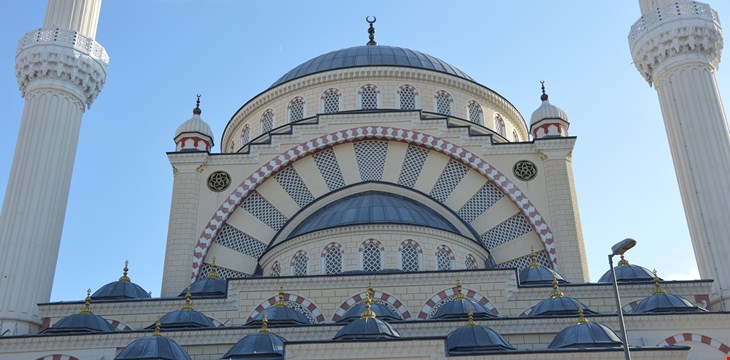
524	262
511	228
302	310
223	273
291	182
259	207
329	168
234	239
480	202
371	159
450	177
412	165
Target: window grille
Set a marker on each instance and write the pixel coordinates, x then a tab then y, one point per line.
333	261
470	263
515	137
443	258
276	269
371	261
299	265
267	121
409	258
296	109
499	125
331	101
407	96
368	97
475	113
443	102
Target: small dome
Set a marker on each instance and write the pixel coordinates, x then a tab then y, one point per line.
662	302
472	338
80	323
123	289
381	312
184	319
261	345
194	125
547	111
627	273
280	314
458	308
153	347
367	328
194	134
209	286
585	335
536	274
558	304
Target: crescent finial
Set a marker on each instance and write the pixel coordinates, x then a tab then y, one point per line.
367	18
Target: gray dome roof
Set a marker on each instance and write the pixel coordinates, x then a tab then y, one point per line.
471	339
460	308
207	287
373	207
626	272
367	328
120	290
80	323
280	315
153	347
380	310
665	303
362	56
539	275
184	319
557	306
261	345
585	335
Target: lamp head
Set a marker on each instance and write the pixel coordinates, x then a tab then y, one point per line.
622	246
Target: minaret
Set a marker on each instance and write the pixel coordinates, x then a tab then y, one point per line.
60	70
676	46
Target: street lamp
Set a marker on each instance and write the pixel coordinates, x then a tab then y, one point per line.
619	249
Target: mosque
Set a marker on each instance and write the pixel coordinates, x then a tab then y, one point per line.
374	202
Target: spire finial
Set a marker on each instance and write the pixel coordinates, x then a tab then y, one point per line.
470	317
197	111
368	313
581	319
657	288
533	258
544	96
556	290
371	31
623	262
213	274
188	296
87	304
157	332
457	292
265	323
280	298
124	277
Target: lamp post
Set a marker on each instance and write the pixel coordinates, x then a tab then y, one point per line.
619	249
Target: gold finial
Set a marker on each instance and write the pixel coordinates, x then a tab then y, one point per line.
470	320
457	293
213	274
657	288
124	277
188	296
280	301
623	262
157	332
556	290
371	31
265	323
581	319
368	313
87	304
533	258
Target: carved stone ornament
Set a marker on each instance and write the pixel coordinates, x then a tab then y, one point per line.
45	56
219	181
525	170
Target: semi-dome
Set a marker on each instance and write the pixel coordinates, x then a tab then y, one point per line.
153	347
475	339
373	207
537	274
585	334
84	322
364	56
626	273
122	289
262	345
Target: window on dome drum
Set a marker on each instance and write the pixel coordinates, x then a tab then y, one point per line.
245	134
276	269
333	261
515	137
409	257
331	101
296	109
371	258
407	97
470	263
267	121
368	97
475	113
499	125
443	102
443	258
299	264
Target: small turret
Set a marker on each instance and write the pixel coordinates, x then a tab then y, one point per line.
548	120
194	134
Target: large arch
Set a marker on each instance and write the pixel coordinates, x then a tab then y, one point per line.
453	151
696	338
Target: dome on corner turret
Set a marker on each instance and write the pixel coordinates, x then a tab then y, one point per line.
548	120
194	134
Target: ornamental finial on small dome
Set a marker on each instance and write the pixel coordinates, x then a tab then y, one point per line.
371	31
623	262
157	331
188	296
533	258
197	111
265	323
657	288
213	274
458	295
470	317
124	277
544	96
87	303
556	290
581	319
280	301
368	313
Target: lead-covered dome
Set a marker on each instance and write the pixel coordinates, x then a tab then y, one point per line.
361	56
475	339
626	272
122	289
585	334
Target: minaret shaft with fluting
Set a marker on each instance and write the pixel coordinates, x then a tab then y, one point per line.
60	70
677	47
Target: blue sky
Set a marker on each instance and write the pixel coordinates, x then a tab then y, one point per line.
164	52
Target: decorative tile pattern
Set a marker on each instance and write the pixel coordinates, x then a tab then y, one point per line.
317	145
291	182
308	308
412	165
509	229
223	273
329	168
259	207
239	241
370	157
450	177
383	298
524	261
487	196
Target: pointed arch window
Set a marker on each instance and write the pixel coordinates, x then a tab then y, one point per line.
371	256
476	115
499	126
276	269
332	259
267	121
369	97
331	101
246	134
470	263
407	98
410	256
296	109
299	263
444	258
443	102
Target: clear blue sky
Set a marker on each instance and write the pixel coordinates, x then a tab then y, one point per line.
163	52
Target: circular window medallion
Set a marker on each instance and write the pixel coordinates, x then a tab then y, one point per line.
219	181
525	170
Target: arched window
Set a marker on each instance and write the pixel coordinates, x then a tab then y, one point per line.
444	258
470	263
372	259
246	133
296	109
267	121
332	259
476	115
276	269
368	97
499	125
331	101
407	98
299	263
443	102
410	256
515	137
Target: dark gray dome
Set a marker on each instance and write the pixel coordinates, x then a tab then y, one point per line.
626	272
261	345
367	328
381	311
80	323
153	347
280	315
373	207
539	275
474	339
207	287
558	306
184	319
460	308
665	303
362	56
585	335
120	290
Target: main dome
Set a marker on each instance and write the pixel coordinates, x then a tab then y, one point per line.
360	56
